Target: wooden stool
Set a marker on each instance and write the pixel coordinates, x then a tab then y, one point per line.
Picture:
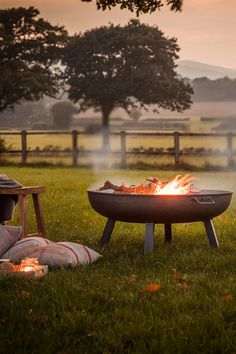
22	193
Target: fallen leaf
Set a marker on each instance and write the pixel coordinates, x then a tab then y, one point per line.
44	318
133	278
183	286
177	275
152	288
227	298
223	218
24	293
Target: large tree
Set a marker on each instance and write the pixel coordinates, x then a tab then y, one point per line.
62	113
138	6
129	67
30	48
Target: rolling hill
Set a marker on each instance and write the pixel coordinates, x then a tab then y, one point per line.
193	69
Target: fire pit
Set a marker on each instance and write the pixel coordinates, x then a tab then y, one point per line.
164	209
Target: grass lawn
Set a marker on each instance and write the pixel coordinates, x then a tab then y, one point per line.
106	307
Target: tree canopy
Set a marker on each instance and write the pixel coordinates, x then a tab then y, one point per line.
138	6
30	49
129	67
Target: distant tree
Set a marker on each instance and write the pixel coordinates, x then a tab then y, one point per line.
3	145
62	113
25	115
228	124
129	67
135	114
30	49
222	89
138	6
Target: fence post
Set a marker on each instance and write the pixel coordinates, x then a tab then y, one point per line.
229	150
23	146
123	149
74	148
176	148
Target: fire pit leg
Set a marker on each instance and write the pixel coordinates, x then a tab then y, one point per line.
168	233
107	232
211	234
149	237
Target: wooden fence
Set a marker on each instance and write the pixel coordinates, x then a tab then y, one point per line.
74	152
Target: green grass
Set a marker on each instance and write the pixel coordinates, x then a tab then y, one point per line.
98	308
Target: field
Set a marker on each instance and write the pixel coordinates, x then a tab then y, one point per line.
115	305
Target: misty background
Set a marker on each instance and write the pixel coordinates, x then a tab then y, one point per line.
206	35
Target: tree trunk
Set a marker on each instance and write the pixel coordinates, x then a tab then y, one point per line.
105	130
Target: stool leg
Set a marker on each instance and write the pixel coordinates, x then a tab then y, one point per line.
39	215
149	237
22	214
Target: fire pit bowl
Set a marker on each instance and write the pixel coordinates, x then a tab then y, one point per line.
162	209
142	208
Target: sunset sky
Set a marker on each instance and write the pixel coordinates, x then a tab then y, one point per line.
205	29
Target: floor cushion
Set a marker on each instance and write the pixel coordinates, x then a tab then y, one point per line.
8	237
65	254
24	247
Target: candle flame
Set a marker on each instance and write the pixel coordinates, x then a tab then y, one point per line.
28	269
28	264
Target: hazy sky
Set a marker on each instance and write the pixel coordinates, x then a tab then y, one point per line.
205	29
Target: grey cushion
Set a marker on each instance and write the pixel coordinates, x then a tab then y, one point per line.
65	254
24	247
8	237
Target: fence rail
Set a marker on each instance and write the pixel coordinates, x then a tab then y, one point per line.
75	152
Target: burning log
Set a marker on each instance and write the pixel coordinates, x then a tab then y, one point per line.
177	185
141	189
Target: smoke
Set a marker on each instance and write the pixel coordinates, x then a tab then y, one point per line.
216	181
102	170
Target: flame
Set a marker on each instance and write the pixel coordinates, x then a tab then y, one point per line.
27	268
178	185
28	264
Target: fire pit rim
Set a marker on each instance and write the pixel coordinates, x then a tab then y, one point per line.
204	192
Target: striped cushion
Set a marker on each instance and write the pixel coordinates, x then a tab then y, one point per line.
65	254
8	236
82	254
24	247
